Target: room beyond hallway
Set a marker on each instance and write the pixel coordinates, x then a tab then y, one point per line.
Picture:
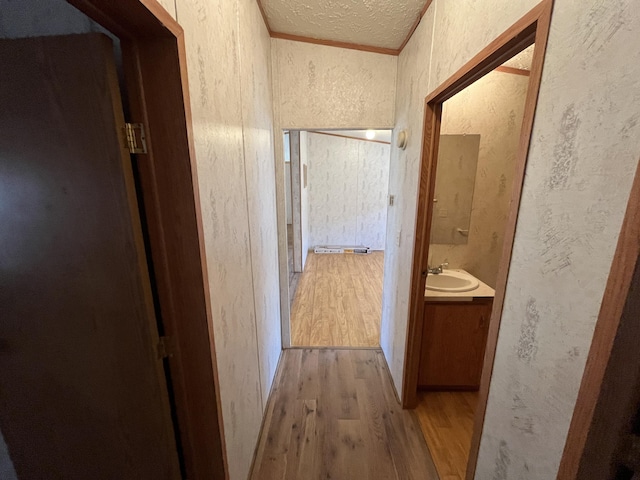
338	302
334	414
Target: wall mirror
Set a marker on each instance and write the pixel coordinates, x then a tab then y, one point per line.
455	181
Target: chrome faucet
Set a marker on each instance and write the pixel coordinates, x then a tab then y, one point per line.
437	270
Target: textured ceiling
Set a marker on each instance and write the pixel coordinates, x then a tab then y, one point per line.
376	23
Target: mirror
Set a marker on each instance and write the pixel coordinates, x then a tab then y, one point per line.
455	180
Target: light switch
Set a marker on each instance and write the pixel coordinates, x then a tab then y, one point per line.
398	235
443	213
392	199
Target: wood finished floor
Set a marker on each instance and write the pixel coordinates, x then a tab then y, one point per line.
333	414
338	301
446	419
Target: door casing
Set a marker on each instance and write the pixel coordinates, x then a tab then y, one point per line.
531	28
155	70
605	407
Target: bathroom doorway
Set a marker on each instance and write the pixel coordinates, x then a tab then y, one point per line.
336	188
475	142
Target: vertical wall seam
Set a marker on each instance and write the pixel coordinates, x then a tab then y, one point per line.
246	196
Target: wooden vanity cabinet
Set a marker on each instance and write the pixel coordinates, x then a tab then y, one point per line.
454	338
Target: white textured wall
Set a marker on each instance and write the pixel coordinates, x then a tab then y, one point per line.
585	148
348	181
316	87
328	87
228	60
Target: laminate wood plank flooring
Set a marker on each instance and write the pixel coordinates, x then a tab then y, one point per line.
338	302
446	419
333	414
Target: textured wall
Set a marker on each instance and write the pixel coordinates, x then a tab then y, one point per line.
316	87
492	107
327	87
585	148
169	6
228	59
348	181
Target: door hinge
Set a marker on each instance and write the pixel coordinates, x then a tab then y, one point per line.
165	347
135	137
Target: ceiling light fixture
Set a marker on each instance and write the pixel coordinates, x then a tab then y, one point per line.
371	134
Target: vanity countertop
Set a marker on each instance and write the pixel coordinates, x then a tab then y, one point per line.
483	291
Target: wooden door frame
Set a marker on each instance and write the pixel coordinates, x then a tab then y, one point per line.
531	28
155	70
295	164
602	405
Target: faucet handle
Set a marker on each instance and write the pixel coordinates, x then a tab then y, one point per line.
444	265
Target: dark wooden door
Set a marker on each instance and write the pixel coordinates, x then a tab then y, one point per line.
453	343
82	390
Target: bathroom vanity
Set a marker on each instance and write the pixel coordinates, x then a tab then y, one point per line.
456	320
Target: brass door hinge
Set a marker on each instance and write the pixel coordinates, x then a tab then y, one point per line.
135	137
165	347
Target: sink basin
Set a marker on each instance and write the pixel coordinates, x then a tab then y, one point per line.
452	281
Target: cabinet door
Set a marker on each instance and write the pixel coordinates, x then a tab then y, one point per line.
453	344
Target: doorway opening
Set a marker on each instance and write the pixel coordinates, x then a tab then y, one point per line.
336	184
475	142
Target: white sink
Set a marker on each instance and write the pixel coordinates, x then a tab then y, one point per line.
452	281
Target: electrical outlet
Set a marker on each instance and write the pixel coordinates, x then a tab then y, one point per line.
443	213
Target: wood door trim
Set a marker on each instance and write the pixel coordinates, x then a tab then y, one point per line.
414	26
264	17
533	27
154	62
607	327
334	43
515	71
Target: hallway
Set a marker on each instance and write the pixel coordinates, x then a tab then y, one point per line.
338	302
335	415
